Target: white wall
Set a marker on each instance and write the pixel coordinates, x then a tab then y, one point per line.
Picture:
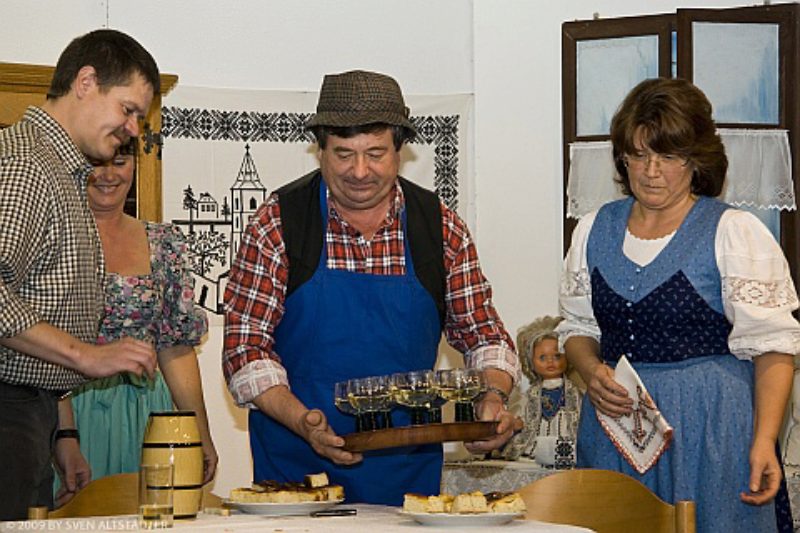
506	52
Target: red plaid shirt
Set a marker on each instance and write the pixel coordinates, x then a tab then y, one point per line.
255	293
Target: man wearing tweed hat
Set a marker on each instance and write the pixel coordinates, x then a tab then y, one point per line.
354	271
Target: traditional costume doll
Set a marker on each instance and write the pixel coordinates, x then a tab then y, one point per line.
553	401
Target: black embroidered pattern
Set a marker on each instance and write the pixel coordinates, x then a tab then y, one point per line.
439	131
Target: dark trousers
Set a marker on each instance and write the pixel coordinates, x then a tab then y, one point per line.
28	420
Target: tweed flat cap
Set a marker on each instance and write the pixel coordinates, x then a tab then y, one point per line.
358	98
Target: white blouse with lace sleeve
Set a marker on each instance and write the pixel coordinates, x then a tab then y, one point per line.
575	293
758	294
757	290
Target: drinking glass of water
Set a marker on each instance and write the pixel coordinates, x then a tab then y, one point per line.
156	485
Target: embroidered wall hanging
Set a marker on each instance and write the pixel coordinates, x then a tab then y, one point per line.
226	150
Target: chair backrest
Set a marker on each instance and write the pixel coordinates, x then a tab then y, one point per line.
106	496
114	495
605	501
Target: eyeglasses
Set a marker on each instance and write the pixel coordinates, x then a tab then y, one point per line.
642	160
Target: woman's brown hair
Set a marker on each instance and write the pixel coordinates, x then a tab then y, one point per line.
670	116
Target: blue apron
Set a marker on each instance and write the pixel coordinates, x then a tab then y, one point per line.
341	325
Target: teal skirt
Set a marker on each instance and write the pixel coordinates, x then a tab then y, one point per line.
111	416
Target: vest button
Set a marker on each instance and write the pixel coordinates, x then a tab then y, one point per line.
628	304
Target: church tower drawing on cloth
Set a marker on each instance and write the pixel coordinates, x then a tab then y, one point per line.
213	231
247	193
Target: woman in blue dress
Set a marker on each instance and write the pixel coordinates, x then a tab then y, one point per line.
698	297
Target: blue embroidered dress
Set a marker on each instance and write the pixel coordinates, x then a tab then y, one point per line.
111	413
670	319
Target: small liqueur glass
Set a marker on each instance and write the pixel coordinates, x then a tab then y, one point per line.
386	402
370	397
461	385
435	410
415	391
342	401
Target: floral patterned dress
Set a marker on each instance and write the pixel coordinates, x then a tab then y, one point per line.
111	413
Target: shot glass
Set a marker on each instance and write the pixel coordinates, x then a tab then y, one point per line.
156	491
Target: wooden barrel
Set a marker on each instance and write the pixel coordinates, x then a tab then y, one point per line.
172	437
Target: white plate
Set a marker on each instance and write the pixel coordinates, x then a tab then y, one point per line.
282	509
461	520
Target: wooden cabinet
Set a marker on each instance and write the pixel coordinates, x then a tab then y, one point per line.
23	85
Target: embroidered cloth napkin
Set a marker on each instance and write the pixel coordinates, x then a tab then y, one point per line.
642	436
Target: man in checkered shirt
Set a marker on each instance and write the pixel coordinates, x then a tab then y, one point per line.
353	271
51	262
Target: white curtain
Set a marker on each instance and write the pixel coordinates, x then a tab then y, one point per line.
759	172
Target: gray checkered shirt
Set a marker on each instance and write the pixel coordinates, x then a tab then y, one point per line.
51	262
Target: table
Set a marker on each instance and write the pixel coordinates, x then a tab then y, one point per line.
371	518
490	475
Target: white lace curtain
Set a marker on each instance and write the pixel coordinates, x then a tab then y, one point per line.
759	172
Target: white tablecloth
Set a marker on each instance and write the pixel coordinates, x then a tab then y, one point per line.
371	518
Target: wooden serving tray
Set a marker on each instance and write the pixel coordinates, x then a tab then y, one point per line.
415	435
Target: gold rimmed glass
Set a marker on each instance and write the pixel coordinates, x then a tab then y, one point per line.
341	398
370	397
462	386
414	390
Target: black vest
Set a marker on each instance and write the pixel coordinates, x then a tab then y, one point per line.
302	227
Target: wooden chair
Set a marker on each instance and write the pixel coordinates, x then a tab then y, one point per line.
605	501
114	495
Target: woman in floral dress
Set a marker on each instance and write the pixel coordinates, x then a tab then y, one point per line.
149	297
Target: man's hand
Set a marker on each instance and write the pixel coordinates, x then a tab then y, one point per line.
310	424
491	408
73	469
315	429
123	355
49	343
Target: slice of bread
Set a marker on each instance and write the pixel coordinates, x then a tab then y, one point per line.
333	492
470	503
467	503
245	495
440	504
316	480
505	502
315	488
415	503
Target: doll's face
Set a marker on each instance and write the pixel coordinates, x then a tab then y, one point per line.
546	360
